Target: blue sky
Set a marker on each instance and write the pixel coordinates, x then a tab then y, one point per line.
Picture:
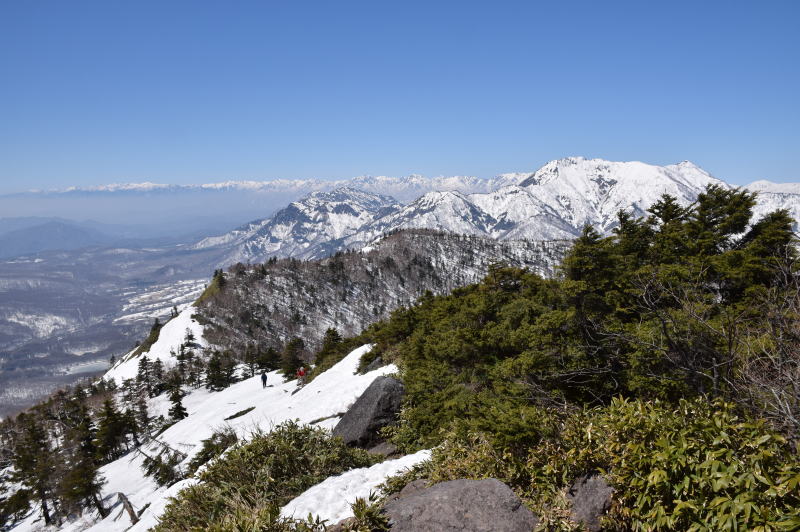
180	92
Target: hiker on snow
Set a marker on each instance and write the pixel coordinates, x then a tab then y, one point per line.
263	379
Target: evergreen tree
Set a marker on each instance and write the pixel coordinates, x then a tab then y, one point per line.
220	371
177	410
81	483
157	376
144	376
330	343
268	359
110	436
250	359
142	416
290	358
34	462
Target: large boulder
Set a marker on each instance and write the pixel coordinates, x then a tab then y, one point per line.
461	505
377	407
590	498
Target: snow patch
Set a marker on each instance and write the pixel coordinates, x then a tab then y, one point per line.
331	499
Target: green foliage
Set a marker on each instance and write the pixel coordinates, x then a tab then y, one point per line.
668	307
15	506
367	515
699	465
212	447
334	349
110	438
213	289
164	467
290	358
220	372
177	411
152	337
246	487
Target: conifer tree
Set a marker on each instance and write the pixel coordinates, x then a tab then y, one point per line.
269	359
290	358
157	376
81	483
330	342
220	371
33	461
110	435
144	377
177	410
250	359
142	416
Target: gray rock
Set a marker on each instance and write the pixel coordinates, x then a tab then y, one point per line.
342	525
409	489
590	498
375	364
377	407
460	506
384	449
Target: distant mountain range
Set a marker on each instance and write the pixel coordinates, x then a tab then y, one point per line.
553	203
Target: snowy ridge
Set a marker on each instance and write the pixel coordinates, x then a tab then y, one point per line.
405	188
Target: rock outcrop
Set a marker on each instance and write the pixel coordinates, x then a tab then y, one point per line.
460	506
590	498
377	407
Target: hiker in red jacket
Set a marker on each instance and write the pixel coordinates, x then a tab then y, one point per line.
301	375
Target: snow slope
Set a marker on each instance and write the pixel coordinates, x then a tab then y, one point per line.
170	338
322	402
331	499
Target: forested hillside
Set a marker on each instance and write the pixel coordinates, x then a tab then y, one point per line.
264	306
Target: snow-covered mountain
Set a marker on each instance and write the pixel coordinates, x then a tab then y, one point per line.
553	203
773	196
405	188
305	227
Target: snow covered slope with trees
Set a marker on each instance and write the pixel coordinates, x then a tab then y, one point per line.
319	403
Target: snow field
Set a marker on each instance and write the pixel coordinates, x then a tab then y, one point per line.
331	499
321	402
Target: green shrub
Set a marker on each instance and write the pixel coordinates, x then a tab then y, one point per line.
699	465
245	488
212	447
367	515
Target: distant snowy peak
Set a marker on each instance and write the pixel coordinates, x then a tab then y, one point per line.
305	228
406	188
449	211
591	191
773	188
